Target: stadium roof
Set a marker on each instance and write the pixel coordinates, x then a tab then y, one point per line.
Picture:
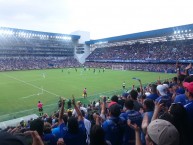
147	34
7	30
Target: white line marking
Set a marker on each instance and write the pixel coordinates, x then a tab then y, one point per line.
34	80
32	85
32	95
28	96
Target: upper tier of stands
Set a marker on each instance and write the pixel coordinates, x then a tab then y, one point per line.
25	49
171	51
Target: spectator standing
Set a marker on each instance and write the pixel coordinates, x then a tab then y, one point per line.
114	126
130	115
188	85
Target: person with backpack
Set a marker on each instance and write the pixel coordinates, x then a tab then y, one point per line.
114	126
131	116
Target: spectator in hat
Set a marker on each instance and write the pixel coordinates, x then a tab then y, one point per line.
188	85
159	132
162	132
163	97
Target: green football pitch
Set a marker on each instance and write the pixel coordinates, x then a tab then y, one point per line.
21	90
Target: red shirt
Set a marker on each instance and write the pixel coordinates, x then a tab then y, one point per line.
40	105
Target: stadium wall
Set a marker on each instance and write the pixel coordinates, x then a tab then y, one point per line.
84	36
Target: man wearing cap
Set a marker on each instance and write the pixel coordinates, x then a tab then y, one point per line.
188	85
164	98
162	132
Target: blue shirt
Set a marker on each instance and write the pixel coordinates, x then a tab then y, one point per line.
189	109
180	91
49	139
181	98
73	139
134	117
56	132
153	96
114	128
164	99
150	115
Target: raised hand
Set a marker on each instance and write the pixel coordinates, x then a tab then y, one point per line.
188	67
73	100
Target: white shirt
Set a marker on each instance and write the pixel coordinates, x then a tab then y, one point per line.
74	113
87	125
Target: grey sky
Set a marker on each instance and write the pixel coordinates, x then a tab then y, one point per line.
102	18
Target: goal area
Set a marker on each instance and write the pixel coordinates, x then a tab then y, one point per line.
117	67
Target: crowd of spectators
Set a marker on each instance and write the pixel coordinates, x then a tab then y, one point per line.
154	57
171	50
27	63
156	114
23	53
165	68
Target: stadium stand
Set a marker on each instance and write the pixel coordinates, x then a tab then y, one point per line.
25	49
156	50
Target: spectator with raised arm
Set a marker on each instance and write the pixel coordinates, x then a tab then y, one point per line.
132	116
114	126
74	133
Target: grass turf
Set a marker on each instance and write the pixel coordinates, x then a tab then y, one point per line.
21	90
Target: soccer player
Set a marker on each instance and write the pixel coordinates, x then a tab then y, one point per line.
84	93
104	69
43	75
40	108
123	85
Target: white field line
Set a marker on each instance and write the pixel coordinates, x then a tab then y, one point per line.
32	95
26	82
32	85
28	96
34	80
28	110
